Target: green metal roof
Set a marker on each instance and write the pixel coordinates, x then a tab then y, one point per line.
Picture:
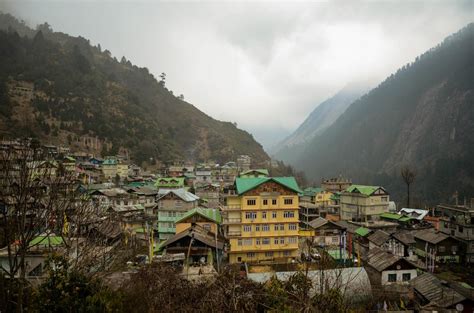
211	214
169	181
47	241
336	196
310	191
109	162
261	171
396	217
362	231
70	158
245	184
366	190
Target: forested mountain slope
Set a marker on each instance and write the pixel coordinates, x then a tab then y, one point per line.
323	116
64	90
422	116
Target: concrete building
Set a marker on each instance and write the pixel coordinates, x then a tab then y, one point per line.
363	203
262	220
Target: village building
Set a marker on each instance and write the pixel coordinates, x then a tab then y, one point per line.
385	268
262	219
109	167
199	245
363	203
458	221
244	162
336	184
434	295
209	194
209	219
261	172
203	175
432	245
169	182
326	233
172	205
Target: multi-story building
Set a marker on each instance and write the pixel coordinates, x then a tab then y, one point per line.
172	205
109	167
244	162
458	221
336	184
363	203
262	219
122	170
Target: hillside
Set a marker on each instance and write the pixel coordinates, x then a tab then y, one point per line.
323	116
63	90
422	116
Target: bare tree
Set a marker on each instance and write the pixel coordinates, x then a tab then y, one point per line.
408	175
39	200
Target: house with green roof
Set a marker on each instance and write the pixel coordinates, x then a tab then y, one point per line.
169	182
317	195
260	172
109	167
210	219
262	220
361	203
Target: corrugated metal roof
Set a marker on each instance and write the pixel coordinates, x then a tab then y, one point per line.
180	192
246	184
380	260
406	237
435	292
362	231
211	214
379	237
430	235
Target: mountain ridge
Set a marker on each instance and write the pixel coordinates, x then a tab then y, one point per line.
421	116
84	97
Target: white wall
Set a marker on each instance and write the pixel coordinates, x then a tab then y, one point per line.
399	275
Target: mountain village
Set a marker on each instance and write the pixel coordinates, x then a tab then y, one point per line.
203	217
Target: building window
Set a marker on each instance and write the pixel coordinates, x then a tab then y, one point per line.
269	254
257	241
454	248
282	226
265	241
264	215
265	227
292	239
286	253
288	214
460	228
250	254
265	202
247	228
239	242
335	240
251	202
250	215
406	276
274	202
292	227
441	249
282	240
275	241
392	278
384	199
288	201
248	242
274	214
257	227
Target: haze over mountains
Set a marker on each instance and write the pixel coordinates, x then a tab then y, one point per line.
422	116
63	90
323	116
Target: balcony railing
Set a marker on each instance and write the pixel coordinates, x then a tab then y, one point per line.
234	233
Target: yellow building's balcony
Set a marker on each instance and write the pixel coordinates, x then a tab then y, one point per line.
270	220
234	233
230	208
256	248
232	221
271	233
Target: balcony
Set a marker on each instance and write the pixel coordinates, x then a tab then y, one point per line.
230	221
232	233
227	208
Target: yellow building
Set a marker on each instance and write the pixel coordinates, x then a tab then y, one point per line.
209	219
363	203
122	170
109	168
317	196
262	220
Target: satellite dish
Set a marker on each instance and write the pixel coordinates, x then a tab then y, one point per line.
459	307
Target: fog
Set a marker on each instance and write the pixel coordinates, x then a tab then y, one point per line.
261	64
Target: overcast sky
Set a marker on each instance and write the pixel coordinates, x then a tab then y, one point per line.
265	65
